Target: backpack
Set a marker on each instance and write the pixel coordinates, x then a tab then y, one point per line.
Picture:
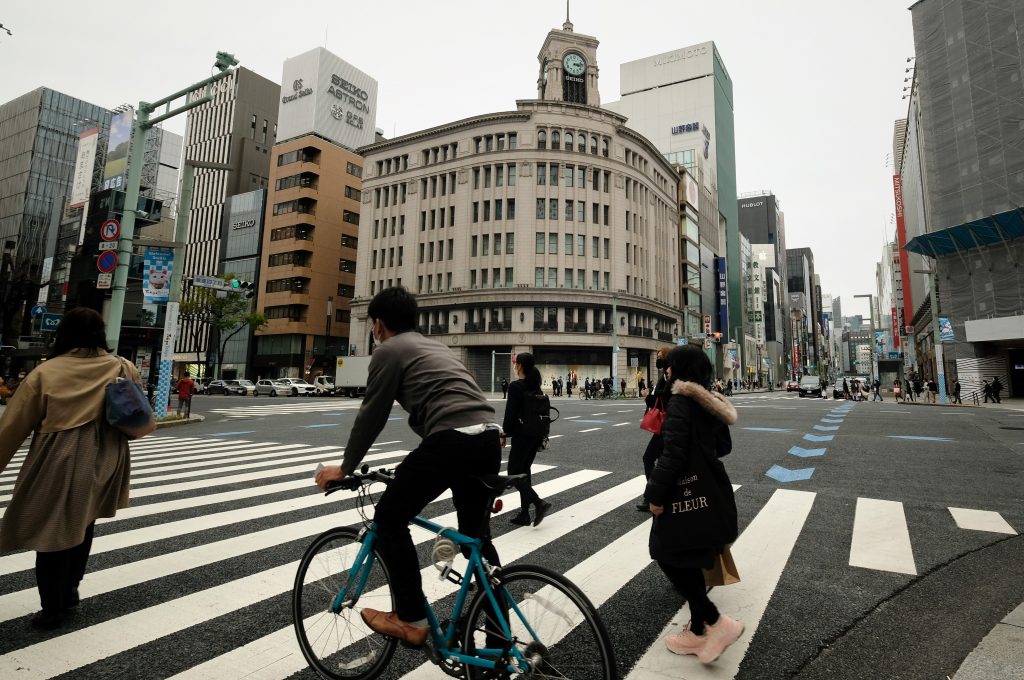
535	418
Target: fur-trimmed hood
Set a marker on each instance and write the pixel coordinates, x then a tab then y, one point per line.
712	402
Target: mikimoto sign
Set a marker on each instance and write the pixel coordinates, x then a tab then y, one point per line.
326	95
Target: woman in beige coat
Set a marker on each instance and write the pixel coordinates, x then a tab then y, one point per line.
77	467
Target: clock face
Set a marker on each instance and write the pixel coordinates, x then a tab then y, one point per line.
574	64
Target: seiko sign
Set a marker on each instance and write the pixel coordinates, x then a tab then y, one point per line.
243	224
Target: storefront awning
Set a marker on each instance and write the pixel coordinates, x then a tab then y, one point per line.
988	231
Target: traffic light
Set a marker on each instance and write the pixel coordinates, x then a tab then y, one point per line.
246	287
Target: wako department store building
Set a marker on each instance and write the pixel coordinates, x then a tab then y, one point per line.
544	229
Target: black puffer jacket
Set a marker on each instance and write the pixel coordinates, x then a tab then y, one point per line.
696	423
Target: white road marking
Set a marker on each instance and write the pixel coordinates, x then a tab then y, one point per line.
881	539
761	553
592	429
981	520
621	424
277	656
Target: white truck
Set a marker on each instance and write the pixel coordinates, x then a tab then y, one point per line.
350	375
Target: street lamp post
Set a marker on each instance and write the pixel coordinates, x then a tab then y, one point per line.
940	369
141	126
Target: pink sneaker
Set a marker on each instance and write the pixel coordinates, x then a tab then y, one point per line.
719	637
685	641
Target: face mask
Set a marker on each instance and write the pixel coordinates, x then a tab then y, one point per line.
376	338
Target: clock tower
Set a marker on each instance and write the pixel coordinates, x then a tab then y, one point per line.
568	67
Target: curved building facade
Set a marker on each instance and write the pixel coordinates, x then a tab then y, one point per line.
551	229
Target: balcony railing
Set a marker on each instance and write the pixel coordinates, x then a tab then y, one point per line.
666	337
476	327
545	326
494	326
635	330
648	332
422	330
603	328
572	327
438	329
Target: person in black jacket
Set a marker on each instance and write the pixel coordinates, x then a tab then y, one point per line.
524	447
658	396
696	424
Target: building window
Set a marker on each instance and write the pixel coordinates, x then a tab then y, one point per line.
542	137
487	211
538	277
552	243
553	208
607	180
349	241
346	291
594	281
569	140
604	148
252	129
567	279
607	281
568	210
606	216
510	243
540	243
476	178
595	247
289	312
593	144
354	194
342	316
581	211
513	139
476	211
473	242
607	248
540	208
487	177
553	174
569	175
346	266
511	174
499	175
568	244
297	258
451	252
541	174
497	244
353	169
350	217
508	279
582	145
498	209
556	140
485	244
581	245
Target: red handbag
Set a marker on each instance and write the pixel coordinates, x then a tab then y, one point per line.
654	418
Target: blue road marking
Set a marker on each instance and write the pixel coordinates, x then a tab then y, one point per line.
394	418
826	428
766	429
339	413
231	434
781	474
922	439
806	453
832	420
819	437
320	425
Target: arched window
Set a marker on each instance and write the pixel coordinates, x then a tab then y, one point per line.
542	140
568	141
582	148
556	139
604	148
593	145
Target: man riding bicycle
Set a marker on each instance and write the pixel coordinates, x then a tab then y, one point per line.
461	442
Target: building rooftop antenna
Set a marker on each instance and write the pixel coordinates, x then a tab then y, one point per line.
567	26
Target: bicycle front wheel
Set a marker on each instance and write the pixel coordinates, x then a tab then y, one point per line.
339	645
553	625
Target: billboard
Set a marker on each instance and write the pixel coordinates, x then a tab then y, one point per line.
115	171
901	238
156	275
85	160
722	290
691	191
763	253
323	94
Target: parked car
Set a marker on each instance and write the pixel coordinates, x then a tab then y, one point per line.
240	387
810	386
273	388
298	386
792	386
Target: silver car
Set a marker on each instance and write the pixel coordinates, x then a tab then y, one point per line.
297	386
273	388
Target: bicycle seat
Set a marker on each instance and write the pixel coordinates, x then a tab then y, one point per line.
498	483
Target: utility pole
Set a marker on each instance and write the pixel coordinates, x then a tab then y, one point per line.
940	369
615	345
141	126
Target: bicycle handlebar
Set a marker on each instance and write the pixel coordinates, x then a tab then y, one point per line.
360	478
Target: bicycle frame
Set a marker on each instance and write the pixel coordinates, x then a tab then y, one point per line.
445	641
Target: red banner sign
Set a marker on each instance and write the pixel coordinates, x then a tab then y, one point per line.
901	237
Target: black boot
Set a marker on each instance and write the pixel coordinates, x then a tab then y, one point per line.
541	508
522	519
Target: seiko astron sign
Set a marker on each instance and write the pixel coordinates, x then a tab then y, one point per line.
325	95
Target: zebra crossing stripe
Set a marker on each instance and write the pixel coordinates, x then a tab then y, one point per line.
277	656
134	447
254	452
23	602
981	520
761	553
114	636
881	540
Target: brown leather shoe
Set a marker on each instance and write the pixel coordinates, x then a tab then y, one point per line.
388	623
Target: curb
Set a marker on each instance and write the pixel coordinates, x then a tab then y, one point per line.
998	655
176	423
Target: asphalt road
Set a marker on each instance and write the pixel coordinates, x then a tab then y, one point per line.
858	554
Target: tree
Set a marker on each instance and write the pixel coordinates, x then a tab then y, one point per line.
224	313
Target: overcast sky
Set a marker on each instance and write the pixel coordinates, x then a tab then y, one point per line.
817	85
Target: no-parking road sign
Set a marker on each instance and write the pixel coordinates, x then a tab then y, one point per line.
107	261
110	230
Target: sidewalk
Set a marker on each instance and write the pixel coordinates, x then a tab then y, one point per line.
1000	654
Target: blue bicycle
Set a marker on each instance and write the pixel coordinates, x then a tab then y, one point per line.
520	621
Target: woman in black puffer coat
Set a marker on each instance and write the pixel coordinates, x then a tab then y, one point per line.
661	394
696	424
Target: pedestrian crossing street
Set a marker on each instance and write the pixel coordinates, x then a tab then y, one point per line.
206	555
276	407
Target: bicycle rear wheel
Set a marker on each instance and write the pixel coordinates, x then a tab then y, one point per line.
340	645
553	625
